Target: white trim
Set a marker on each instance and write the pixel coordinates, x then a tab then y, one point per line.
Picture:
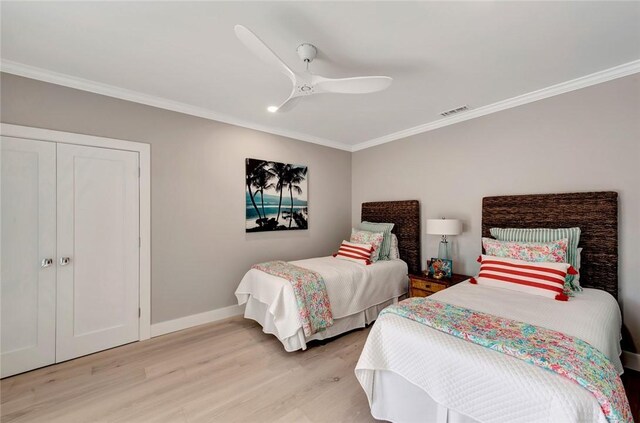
144	152
52	77
564	87
186	322
18	131
145	241
40	74
631	360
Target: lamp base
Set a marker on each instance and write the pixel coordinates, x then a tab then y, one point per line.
443	250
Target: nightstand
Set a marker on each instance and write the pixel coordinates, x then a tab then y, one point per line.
422	285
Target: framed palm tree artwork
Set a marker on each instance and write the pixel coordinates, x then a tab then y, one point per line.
275	196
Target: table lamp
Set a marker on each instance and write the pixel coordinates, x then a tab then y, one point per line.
444	227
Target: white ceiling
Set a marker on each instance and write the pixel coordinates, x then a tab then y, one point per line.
184	56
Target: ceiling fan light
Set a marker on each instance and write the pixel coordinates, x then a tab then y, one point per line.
272	109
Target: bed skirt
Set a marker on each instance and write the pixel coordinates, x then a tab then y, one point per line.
397	400
259	311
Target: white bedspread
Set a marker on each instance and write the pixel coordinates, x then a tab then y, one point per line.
351	287
484	384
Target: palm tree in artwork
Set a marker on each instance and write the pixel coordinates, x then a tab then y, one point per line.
252	167
279	170
261	182
293	177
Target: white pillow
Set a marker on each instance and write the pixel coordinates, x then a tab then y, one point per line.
394	253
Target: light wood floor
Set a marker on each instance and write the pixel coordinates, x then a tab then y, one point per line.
222	372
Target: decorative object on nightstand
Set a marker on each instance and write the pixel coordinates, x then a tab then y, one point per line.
444	227
440	268
423	285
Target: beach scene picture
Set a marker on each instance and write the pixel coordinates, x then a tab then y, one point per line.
276	196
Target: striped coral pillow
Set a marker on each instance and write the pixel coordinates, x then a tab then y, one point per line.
360	253
545	235
545	279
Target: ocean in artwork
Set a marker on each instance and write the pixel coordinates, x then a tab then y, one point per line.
275	196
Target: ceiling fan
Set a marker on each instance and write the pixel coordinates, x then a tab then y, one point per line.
306	83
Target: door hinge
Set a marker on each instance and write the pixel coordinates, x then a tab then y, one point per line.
139	241
139	312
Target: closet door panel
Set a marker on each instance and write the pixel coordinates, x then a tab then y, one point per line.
28	290
98	230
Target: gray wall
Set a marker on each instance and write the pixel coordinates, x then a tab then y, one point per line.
581	141
586	140
199	248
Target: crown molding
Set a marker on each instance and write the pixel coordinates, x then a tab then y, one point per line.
45	75
40	74
564	87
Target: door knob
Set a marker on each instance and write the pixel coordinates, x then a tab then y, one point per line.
46	262
64	261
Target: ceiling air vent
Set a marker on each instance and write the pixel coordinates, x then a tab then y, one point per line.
455	111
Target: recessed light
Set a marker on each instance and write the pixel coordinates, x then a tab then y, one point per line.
272	109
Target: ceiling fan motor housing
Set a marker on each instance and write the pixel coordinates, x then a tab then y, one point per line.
307	52
305	89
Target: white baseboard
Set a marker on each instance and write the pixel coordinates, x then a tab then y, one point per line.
631	360
186	322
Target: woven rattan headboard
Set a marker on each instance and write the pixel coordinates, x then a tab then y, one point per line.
406	216
596	213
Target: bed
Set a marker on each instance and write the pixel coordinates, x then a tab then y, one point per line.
357	293
411	372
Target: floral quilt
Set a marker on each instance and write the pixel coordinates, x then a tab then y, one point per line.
314	309
565	355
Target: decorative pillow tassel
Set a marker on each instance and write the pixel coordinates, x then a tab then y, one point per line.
473	281
562	297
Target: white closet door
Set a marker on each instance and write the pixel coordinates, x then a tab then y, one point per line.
28	288
98	249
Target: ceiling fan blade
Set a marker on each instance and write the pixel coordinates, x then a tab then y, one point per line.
288	104
260	49
356	85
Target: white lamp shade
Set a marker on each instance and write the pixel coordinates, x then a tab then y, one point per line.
444	227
